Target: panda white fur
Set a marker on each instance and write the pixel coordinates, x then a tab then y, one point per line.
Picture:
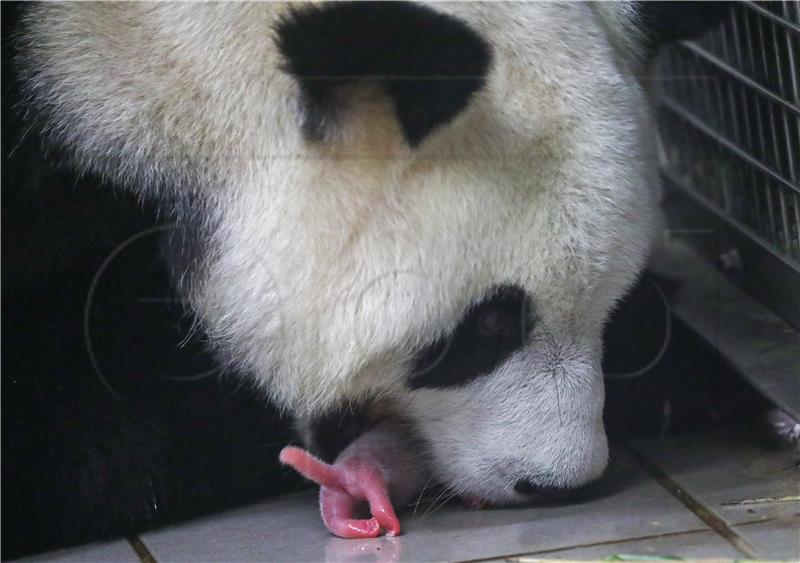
431	207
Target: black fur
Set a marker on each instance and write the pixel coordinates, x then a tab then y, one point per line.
80	461
430	64
664	22
187	243
334	431
489	332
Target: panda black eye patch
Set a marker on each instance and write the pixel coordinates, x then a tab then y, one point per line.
488	333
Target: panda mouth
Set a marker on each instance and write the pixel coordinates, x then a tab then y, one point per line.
475	502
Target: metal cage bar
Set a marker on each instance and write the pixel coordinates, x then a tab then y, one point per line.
729	121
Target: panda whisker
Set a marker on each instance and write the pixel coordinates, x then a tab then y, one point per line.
422	492
448	493
435	500
447	499
270	444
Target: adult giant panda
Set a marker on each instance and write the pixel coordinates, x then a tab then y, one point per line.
405	222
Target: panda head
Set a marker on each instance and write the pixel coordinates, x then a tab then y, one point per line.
437	204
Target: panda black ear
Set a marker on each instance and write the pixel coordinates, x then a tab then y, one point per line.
664	22
429	63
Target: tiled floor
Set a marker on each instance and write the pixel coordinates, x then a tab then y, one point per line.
712	496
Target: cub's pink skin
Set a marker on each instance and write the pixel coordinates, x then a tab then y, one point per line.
377	468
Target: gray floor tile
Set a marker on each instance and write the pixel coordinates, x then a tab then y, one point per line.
289	529
702	544
779	538
743	479
113	552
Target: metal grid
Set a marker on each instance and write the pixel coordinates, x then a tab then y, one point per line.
729	113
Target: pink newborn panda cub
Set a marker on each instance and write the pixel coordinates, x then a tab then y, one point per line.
378	468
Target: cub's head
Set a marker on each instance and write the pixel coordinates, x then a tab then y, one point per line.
433	203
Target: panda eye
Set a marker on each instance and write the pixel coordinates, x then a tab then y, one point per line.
488	333
493	321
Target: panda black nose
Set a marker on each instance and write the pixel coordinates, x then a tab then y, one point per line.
526	487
